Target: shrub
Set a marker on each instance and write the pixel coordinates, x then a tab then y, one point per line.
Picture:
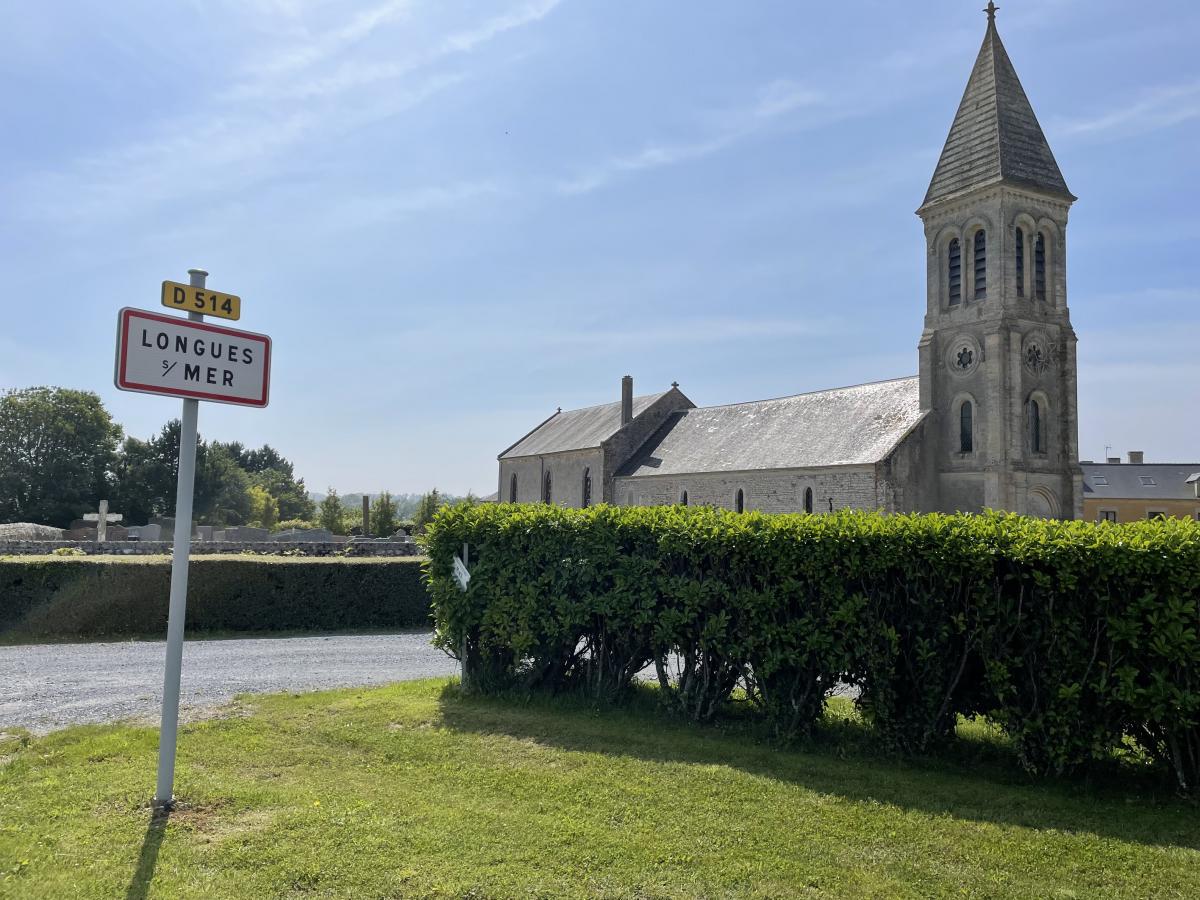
107	596
1071	636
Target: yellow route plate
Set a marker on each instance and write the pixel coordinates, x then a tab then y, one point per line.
200	300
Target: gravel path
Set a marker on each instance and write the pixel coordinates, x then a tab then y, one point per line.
49	686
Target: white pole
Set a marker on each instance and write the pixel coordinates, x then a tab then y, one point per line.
164	797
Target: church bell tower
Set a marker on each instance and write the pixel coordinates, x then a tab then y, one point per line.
997	354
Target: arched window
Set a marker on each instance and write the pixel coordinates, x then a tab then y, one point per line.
683	499
955	272
547	489
980	265
1039	267
1036	444
587	488
966	436
808	500
1020	261
512	488
739	502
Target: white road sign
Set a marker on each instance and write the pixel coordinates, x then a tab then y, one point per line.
461	575
159	354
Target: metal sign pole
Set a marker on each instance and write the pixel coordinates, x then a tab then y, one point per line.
164	794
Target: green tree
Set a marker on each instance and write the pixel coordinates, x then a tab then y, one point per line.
268	468
332	514
264	509
426	509
383	516
57	454
146	480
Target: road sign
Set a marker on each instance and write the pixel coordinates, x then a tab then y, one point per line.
461	575
159	354
185	298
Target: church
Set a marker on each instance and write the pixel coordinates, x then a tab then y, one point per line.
988	421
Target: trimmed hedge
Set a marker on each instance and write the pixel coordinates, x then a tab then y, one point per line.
1071	636
115	596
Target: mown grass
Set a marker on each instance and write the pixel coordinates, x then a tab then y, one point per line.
413	790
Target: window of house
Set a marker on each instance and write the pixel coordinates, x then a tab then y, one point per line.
512	488
1020	261
683	500
980	265
1099	479
966	431
1035	427
1156	514
739	502
1147	480
808	500
955	271
1039	267
1107	515
547	489
587	488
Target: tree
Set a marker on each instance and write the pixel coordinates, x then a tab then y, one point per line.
146	480
426	509
57	454
264	509
268	468
383	516
332	515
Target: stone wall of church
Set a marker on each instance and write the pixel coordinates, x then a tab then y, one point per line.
628	440
566	477
769	490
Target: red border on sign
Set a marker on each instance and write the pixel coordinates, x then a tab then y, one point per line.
128	313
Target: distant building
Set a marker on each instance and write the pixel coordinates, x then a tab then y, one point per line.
1127	492
989	421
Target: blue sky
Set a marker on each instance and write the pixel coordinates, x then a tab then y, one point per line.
453	217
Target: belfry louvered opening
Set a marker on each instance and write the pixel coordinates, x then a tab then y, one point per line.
980	265
1020	261
954	259
1039	267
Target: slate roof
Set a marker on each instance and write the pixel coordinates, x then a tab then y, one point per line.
995	136
1124	481
577	429
856	425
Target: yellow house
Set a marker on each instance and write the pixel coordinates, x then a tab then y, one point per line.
1126	492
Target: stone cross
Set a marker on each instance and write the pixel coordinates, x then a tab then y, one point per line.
102	523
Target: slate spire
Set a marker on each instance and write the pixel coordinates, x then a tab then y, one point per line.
995	136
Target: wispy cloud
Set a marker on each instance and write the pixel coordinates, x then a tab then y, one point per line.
1162	107
305	94
360	73
773	101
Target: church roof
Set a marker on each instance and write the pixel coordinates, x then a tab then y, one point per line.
995	136
847	426
577	429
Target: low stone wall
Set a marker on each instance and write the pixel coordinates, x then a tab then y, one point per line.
150	548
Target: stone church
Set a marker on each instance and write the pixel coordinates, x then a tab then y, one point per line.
989	420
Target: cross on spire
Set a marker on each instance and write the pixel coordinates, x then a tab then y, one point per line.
991	11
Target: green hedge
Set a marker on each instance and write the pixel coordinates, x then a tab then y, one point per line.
1071	636
124	596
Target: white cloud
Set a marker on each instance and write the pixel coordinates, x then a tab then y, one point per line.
258	128
359	73
774	101
1163	107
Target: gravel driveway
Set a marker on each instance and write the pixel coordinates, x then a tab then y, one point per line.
49	686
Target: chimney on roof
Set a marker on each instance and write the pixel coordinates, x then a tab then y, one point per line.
1136	457
626	399
1114	460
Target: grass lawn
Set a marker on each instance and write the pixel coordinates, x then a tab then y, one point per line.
413	790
